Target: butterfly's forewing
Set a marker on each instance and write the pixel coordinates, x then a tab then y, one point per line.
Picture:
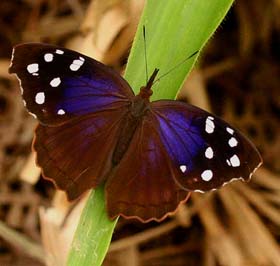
142	186
59	84
205	151
79	103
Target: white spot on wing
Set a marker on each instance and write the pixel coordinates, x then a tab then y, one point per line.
55	82
228	162
60	112
235	162
230	130
48	57
232	142
209	125
183	168
40	98
58	51
77	63
207	175
33	68
209	153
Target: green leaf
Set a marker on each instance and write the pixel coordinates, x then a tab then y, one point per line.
174	31
93	235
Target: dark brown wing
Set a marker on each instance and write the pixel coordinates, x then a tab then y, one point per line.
76	156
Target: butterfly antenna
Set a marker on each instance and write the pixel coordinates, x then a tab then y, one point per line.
173	68
145	51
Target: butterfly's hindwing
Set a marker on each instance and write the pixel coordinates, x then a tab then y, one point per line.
77	155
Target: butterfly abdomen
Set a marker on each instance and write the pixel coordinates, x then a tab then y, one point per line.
129	126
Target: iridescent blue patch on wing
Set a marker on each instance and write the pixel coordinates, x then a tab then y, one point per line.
180	137
83	95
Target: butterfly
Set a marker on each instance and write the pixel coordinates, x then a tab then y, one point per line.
93	130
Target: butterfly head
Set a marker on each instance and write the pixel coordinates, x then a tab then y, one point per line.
146	91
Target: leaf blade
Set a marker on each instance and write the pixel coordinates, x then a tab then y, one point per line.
93	235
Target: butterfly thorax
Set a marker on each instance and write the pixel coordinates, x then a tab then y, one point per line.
139	106
145	93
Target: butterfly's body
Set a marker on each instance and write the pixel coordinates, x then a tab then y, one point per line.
94	130
139	107
129	125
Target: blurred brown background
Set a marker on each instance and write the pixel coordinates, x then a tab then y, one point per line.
237	77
